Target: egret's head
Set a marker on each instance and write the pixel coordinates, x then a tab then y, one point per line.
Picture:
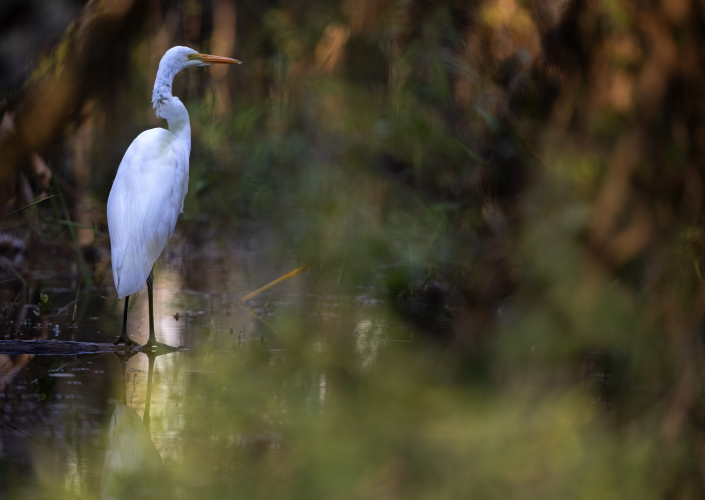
175	59
179	58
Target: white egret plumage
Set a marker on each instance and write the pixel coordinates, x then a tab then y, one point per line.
149	188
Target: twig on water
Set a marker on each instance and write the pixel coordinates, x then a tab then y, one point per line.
267	287
275	282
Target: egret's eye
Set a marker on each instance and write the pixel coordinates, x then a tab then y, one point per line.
191	57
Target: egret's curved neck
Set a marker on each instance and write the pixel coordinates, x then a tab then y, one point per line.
169	67
166	105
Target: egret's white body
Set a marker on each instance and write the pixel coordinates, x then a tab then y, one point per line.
151	182
144	203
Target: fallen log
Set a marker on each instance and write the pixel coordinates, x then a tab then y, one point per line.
44	347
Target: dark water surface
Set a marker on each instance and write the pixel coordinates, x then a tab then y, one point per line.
350	404
55	411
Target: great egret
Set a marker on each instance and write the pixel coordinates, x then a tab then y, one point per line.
149	188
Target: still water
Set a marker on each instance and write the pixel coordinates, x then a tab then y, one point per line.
355	403
56	411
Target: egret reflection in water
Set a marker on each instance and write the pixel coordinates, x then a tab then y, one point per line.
133	467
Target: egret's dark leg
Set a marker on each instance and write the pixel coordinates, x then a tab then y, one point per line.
150	294
123	338
152	342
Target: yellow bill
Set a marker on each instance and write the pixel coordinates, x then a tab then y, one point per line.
209	59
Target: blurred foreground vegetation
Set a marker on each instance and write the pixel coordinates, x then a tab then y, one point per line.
521	184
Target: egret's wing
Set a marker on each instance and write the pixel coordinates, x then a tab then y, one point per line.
143	206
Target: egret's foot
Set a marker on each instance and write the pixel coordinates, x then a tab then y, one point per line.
124	339
153	345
